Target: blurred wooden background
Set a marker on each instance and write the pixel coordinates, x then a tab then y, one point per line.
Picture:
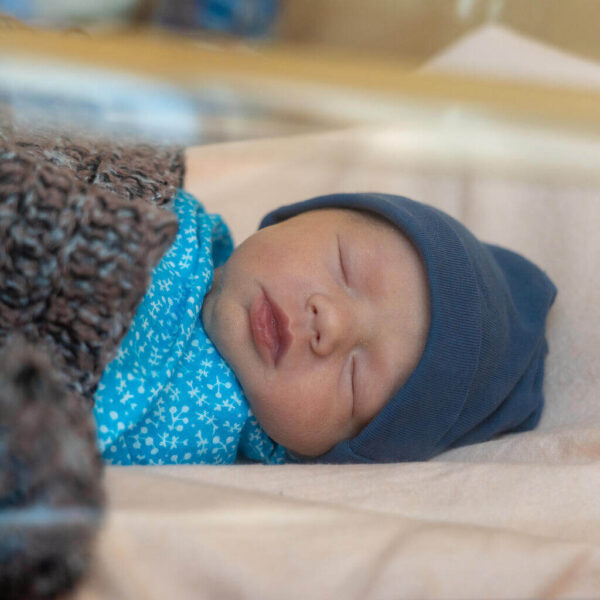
407	30
325	64
413	30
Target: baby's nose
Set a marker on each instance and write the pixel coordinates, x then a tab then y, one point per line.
332	324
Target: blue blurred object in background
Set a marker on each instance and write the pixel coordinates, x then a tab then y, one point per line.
241	17
246	18
69	12
20	9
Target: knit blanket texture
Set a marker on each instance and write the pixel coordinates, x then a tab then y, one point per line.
82	225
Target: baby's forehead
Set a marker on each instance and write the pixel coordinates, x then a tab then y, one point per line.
353	216
376	226
357	227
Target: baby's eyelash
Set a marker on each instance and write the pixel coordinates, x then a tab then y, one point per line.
353	370
341	258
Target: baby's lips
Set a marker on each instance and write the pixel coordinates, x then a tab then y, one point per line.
263	330
282	326
268	326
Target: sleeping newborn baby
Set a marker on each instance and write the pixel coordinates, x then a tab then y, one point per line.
348	328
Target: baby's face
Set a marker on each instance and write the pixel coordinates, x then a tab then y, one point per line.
322	317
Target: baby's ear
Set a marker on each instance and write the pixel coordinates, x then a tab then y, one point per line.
51	495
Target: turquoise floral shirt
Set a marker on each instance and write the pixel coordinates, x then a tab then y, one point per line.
168	397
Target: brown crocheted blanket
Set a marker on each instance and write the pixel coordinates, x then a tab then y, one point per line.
82	224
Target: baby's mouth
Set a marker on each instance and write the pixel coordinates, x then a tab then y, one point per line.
270	328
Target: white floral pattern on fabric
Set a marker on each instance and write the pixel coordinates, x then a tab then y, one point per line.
168	397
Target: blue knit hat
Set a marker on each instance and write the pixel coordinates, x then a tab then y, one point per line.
482	367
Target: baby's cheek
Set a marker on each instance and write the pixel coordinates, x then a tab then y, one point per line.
275	412
304	419
261	254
